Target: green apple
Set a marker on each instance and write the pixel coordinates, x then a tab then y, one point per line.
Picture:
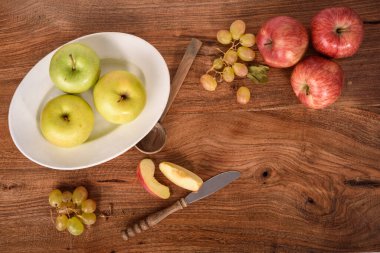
74	68
119	96
67	120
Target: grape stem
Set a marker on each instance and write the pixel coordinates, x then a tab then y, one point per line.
68	211
235	45
211	69
220	77
220	50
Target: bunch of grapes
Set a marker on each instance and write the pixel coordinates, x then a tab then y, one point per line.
73	210
233	62
228	66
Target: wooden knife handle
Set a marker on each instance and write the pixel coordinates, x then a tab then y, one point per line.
152	220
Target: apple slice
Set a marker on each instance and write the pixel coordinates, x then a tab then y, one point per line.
145	174
181	176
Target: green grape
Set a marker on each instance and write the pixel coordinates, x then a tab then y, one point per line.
228	74
208	82
237	29
246	54
218	64
230	57
240	69
79	195
88	218
75	226
61	222
243	95
247	40
66	196
55	198
224	37
88	206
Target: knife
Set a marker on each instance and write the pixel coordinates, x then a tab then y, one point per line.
209	187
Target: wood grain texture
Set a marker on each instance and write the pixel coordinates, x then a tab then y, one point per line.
310	179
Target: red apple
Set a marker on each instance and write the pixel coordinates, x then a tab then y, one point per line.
317	82
337	32
145	175
282	41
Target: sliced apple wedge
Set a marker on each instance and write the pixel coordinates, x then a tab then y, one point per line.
145	174
181	176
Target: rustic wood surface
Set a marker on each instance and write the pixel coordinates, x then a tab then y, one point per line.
310	179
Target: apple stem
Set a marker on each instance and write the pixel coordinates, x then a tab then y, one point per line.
122	97
65	117
268	43
307	89
73	62
340	30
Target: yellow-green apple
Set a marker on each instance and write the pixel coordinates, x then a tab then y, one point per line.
145	175
74	68
282	41
119	96
67	121
181	176
337	32
317	81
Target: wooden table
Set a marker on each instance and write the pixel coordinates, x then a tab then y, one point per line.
310	180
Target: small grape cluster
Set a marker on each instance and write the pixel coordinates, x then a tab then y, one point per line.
228	65
73	210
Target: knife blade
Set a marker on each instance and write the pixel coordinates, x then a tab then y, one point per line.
209	187
212	185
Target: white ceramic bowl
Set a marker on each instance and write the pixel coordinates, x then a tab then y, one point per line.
116	51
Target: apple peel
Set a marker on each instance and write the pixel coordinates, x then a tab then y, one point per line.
145	175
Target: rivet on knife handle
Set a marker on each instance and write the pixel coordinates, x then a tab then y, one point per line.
152	219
